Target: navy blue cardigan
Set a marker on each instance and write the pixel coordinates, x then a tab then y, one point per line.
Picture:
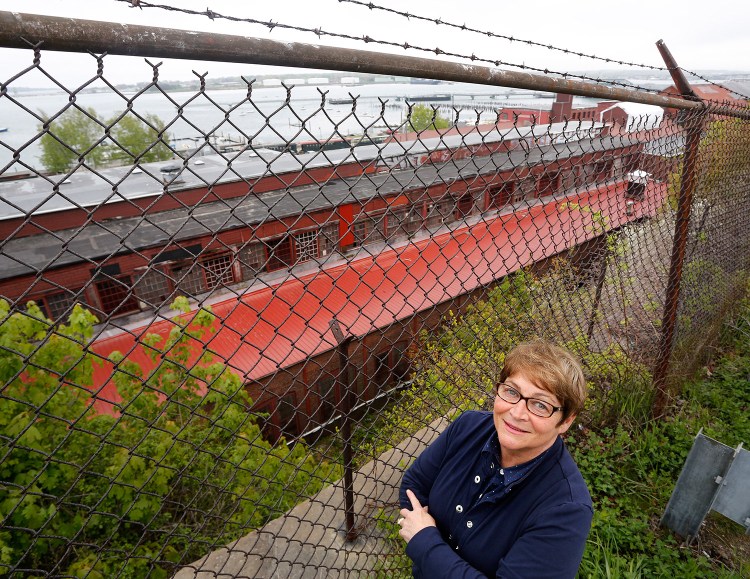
536	527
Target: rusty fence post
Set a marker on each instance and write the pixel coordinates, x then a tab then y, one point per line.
346	404
600	279
682	223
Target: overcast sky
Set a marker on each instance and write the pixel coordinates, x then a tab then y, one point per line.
701	36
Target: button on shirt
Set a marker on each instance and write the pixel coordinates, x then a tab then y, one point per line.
482	510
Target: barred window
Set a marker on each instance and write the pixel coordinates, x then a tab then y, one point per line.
525	190
368	229
395	225
603	169
279	252
500	195
359	230
382	375
391	366
465	205
356	377
188	278
400	361
59	305
479	199
152	287
306	245
547	185
439	212
252	260
116	295
218	271
329	239
414	218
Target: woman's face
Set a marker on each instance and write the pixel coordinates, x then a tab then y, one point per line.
524	435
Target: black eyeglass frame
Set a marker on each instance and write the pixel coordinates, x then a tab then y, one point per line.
527	399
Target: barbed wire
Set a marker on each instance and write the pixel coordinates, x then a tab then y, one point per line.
440	22
367	39
490	34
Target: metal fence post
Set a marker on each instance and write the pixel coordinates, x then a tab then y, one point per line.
682	222
344	381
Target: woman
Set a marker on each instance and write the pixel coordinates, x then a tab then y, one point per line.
497	494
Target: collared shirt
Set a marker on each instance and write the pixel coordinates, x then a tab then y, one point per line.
497	478
528	521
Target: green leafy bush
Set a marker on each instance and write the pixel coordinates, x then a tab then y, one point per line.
178	468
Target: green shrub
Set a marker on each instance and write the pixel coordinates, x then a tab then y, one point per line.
179	468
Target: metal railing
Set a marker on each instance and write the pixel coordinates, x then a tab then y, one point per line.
241	297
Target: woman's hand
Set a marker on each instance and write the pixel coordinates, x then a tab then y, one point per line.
413	521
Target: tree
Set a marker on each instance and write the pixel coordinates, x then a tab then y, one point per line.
71	138
137	141
180	466
424	118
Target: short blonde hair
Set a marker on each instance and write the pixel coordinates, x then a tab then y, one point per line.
551	368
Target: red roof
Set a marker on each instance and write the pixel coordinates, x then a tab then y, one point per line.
709	92
259	332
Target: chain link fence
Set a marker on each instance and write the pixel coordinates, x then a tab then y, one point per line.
231	318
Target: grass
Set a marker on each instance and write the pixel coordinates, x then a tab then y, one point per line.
631	471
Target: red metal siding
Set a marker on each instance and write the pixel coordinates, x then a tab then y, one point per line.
277	327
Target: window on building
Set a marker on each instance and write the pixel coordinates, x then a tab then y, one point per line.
500	194
439	212
396	221
152	287
279	252
547	185
263	413
188	278
116	296
526	189
391	366
329	239
400	361
306	245
357	379
359	230
252	259
603	169
414	218
368	228
59	305
465	205
218	271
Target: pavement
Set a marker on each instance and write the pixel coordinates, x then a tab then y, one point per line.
309	541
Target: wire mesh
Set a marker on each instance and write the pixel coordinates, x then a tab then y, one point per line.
176	266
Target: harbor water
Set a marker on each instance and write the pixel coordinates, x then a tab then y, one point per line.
265	116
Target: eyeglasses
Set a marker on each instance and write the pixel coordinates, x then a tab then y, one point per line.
537	407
